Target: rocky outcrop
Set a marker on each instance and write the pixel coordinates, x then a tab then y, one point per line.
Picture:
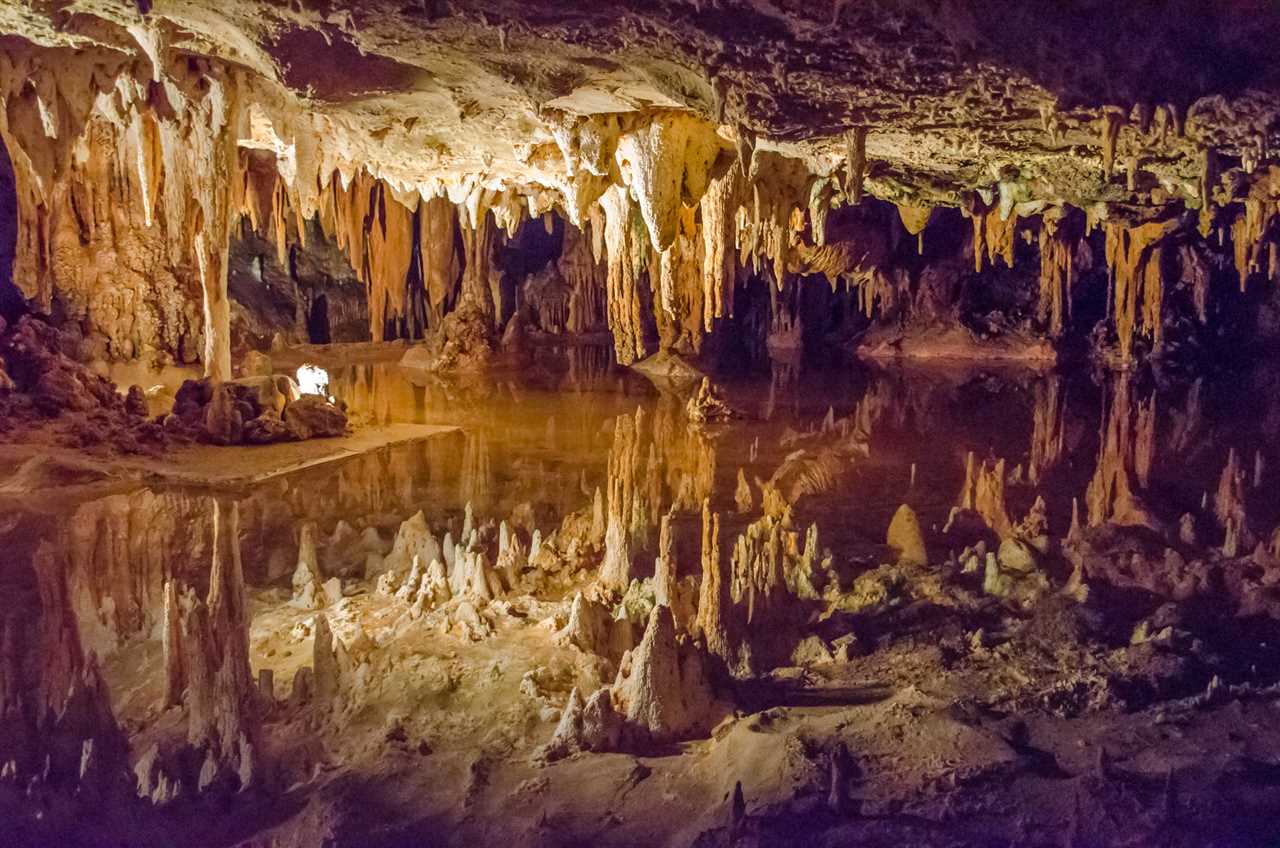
662	694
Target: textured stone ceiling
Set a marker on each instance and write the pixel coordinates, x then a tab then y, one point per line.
950	92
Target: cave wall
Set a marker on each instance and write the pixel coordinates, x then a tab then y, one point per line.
137	151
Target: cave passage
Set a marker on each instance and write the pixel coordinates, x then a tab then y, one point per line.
713	425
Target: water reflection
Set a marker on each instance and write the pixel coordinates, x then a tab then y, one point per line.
85	582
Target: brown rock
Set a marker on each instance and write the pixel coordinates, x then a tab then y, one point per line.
223	419
267	429
135	402
311	416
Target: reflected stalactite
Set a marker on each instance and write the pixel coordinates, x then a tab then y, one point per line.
627	509
373	392
983	492
1047	428
212	640
475	477
60	731
1127	450
120	551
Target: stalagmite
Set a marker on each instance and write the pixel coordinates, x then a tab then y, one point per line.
742	495
983	492
906	538
662	691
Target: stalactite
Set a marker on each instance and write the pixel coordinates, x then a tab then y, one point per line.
993	235
479	241
1250	230
587	278
625	251
681	288
1059	239
664	159
377	233
124	213
718	233
1134	255
437	225
855	163
770	223
915	219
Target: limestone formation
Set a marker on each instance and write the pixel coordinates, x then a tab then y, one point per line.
906	538
662	692
308	593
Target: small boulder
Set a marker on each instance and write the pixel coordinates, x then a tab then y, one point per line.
312	416
267	429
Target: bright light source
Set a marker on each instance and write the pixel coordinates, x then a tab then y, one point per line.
313	380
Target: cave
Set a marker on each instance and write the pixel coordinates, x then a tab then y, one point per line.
688	423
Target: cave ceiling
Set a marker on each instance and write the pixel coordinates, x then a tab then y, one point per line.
953	95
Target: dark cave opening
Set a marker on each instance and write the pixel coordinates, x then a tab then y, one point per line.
12	303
